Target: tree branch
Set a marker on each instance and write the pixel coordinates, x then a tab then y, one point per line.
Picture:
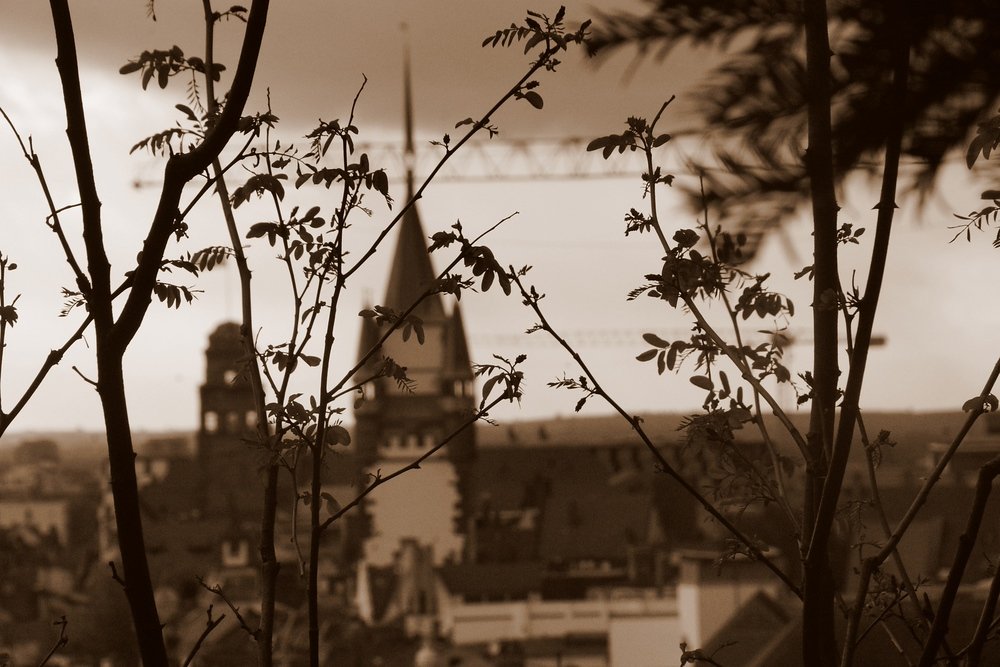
61	642
180	169
531	300
966	541
210	625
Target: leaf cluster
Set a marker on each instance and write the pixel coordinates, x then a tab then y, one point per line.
505	374
639	135
539	29
172	294
383	315
580	383
164	64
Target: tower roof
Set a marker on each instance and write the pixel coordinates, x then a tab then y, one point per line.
456	357
411	271
226	334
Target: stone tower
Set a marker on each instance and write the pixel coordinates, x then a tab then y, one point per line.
227	458
395	425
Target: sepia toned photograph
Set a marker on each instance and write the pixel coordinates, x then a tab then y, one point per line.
427	333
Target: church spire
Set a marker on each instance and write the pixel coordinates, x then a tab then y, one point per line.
411	271
409	155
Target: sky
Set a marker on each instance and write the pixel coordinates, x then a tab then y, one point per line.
938	313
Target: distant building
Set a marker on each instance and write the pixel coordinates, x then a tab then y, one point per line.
397	423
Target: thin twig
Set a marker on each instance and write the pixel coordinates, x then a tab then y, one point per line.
984	486
745	371
56	226
973	652
62	641
217	590
759	420
53	359
115	575
210	625
935	474
86	379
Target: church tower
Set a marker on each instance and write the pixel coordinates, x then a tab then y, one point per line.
395	425
228	462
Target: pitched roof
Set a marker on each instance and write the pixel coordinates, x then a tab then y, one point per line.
411	271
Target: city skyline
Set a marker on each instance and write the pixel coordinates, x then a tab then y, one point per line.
560	223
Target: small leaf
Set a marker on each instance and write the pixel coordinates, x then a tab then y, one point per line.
186	110
310	360
534	99
488	386
974	403
702	382
338	435
597	143
8	315
332	506
655	340
647	355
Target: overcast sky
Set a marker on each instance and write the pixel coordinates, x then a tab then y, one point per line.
938	312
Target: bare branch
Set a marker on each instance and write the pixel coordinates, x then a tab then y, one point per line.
62	641
210	625
217	590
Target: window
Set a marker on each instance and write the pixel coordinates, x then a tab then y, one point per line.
229	376
395	441
233	422
210	421
251	418
430	440
412	441
235	553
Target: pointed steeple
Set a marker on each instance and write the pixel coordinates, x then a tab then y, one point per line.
411	271
409	155
457	364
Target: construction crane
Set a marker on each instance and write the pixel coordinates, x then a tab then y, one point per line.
631	337
548	158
